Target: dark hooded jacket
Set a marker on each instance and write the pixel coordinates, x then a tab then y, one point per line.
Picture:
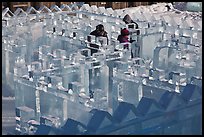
99	31
127	19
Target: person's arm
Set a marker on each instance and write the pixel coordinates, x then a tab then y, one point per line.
92	33
118	38
135	24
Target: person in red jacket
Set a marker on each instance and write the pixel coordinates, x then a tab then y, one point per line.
124	37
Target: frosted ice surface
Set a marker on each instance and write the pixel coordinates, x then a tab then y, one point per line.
25	113
7	13
31	10
76	87
94	8
167	18
177	20
44	9
200	24
191	92
85	8
49	120
124	112
148	17
109	11
60	83
101	10
55	8
20	12
65	7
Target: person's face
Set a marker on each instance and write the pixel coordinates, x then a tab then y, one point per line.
101	29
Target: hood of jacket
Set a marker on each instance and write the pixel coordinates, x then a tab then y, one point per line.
127	19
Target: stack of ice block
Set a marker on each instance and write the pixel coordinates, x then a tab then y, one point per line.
59	83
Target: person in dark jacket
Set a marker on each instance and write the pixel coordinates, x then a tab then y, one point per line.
127	19
98	32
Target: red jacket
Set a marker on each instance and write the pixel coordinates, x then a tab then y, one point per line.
123	39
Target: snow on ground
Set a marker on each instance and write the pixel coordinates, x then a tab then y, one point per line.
161	8
154	8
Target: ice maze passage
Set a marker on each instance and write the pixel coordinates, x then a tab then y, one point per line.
61	88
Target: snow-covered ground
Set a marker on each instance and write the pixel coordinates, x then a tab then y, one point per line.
175	8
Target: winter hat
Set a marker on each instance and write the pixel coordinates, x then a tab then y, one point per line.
124	32
100	27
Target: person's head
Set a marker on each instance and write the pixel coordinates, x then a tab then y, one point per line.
124	32
168	7
100	27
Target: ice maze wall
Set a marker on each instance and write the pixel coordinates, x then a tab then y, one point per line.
60	88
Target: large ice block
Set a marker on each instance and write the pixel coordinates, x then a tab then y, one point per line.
150	86
25	113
